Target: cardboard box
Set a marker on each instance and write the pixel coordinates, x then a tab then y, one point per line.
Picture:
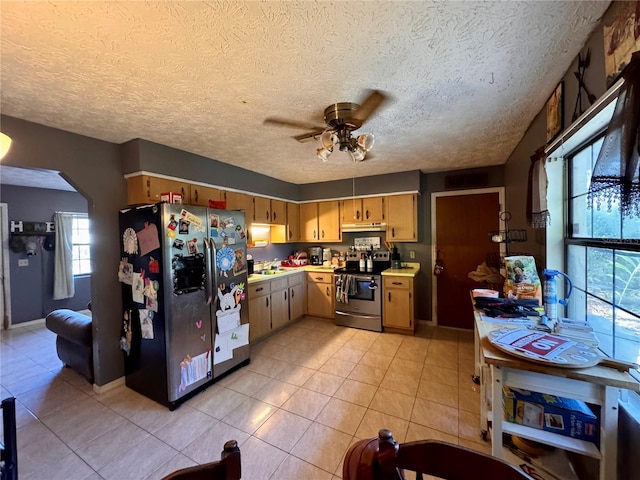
564	416
171	197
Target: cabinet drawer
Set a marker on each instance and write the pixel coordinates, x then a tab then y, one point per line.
319	277
260	289
396	282
279	284
296	279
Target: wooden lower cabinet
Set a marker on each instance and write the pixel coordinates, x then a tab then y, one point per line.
259	310
279	303
296	296
320	294
398	307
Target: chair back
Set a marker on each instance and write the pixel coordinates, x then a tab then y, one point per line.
430	457
227	468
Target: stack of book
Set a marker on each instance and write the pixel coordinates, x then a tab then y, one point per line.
578	330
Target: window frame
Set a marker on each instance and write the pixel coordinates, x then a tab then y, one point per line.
78	259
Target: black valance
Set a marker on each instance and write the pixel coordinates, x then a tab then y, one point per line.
616	175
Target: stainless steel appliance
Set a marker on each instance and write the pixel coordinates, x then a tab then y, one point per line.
315	255
185	319
359	292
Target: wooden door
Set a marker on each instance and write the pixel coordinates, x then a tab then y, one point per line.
201	195
296	301
278	212
373	209
402	218
309	222
259	317
147	189
279	308
463	223
293	222
241	201
351	210
329	221
262	209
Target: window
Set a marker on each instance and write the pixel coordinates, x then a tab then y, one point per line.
81	240
603	261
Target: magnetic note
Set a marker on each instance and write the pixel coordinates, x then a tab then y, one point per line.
190	217
148	238
222	350
137	288
193	369
228	320
130	241
239	337
125	271
146	324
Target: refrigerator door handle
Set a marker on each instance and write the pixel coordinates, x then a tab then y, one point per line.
209	269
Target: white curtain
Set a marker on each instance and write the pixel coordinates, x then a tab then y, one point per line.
63	286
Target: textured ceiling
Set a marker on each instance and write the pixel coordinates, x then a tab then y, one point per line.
466	78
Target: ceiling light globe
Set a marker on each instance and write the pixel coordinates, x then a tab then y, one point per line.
328	139
323	153
358	154
366	141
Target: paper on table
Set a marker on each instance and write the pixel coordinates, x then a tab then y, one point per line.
515	321
222	349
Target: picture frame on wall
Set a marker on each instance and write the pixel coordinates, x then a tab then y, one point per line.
621	35
555	113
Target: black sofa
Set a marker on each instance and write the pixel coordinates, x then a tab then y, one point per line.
74	341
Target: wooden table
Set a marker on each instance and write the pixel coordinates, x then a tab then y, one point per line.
596	385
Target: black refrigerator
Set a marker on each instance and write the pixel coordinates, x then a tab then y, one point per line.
185	323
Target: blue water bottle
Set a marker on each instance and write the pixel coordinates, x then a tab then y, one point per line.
550	293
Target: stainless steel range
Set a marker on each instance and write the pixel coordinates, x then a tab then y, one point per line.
359	286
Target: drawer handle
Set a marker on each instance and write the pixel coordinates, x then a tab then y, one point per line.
319	278
396	283
328	292
259	289
389	296
285	294
267	298
196	196
292	292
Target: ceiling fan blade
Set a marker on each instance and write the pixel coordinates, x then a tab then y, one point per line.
306	136
283	122
370	104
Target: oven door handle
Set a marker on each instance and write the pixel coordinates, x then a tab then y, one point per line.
352	314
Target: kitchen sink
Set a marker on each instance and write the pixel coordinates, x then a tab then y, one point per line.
269	272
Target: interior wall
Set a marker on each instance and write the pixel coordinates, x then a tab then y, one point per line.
32	285
94	168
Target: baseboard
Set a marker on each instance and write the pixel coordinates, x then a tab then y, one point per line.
30	323
100	389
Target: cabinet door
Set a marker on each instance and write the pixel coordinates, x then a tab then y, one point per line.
278	212
397	307
279	308
201	195
320	300
329	221
147	189
402	218
262	209
296	301
351	210
259	317
241	201
293	222
309	222
373	209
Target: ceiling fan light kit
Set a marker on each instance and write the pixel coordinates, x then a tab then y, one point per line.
341	119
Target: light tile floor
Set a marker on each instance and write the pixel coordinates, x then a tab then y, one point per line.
309	393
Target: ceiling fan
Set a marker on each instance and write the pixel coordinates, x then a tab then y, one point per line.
341	119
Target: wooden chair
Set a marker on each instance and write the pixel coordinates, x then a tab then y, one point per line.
384	459
228	468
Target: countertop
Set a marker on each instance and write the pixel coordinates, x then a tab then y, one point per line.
409	269
285	271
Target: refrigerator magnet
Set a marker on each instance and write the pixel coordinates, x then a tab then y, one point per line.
148	238
178	243
184	227
171	234
137	288
130	241
125	269
146	324
225	259
192	246
190	217
172	222
154	265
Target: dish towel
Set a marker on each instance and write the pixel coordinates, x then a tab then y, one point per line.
537	213
615	180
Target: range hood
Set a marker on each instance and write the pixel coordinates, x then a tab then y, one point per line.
364	227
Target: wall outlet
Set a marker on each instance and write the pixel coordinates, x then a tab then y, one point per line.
23	262
412	254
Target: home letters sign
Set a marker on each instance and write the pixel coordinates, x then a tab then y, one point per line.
32	228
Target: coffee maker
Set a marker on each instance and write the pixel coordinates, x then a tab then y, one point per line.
315	255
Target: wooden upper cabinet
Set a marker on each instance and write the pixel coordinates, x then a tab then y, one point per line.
262	209
241	201
402	218
309	222
373	209
293	222
201	195
358	210
147	189
278	212
329	221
